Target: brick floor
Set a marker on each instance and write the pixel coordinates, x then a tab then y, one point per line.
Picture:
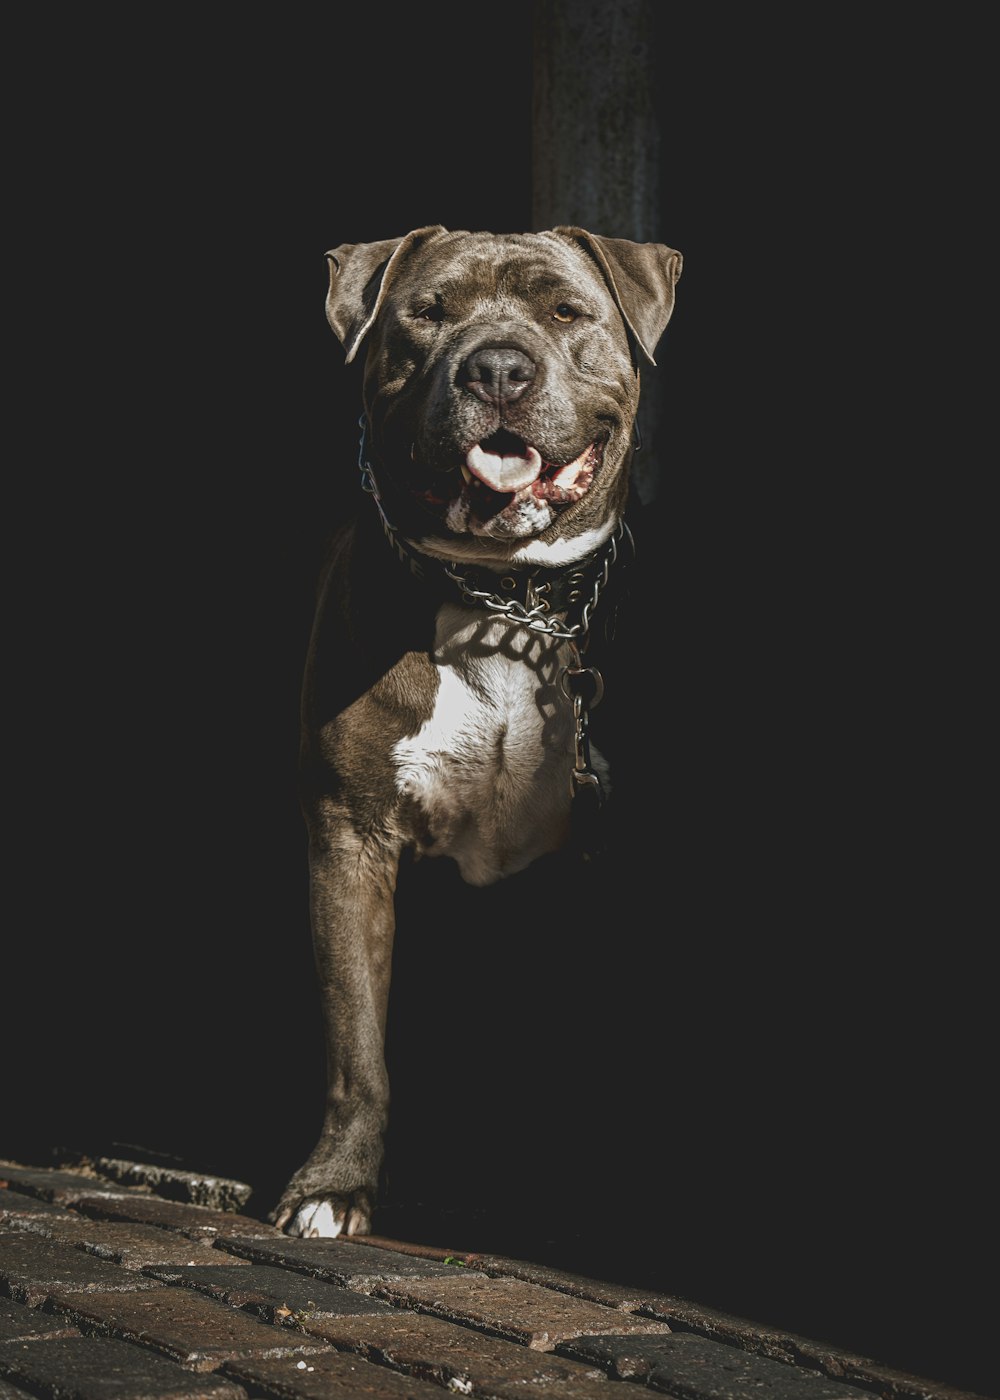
145	1285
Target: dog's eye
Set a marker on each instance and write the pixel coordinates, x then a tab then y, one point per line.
564	313
433	312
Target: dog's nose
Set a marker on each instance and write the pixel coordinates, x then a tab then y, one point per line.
497	374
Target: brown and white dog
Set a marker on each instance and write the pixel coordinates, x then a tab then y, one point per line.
446	692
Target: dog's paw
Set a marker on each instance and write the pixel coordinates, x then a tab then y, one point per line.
325	1217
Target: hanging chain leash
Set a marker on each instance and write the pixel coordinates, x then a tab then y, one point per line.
583	686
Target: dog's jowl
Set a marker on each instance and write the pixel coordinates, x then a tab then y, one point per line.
448	682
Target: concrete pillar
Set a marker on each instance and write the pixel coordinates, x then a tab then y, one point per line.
596	144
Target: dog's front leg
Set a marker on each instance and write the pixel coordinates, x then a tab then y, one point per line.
352	889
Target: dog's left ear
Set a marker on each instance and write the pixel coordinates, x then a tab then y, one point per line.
641	277
359	276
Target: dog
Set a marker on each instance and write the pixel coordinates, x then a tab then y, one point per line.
447	686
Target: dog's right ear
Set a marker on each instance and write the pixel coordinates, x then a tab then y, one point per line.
360	274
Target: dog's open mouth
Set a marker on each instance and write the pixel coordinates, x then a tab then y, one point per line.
503	473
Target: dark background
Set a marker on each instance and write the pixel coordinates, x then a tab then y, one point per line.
747	1060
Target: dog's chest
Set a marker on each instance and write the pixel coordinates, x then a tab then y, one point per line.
486	779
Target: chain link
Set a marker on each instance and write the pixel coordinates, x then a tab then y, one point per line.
535	617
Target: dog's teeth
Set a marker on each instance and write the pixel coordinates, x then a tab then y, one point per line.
467	474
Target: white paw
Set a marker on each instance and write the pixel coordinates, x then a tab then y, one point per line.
317	1220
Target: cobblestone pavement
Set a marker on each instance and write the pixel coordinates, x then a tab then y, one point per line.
124	1280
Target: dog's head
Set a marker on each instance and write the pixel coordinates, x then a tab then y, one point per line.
501	376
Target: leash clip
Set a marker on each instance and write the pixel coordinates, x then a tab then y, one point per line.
584	686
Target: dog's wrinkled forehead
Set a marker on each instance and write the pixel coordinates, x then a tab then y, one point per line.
510	289
505	271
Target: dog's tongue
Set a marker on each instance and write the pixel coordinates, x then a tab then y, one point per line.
504	473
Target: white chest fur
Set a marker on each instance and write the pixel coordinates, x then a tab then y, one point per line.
487	778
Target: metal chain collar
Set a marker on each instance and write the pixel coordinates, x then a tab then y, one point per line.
535	617
582	685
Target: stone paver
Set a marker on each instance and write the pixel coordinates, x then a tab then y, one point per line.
339	1261
333	1376
198	1222
19	1323
201	1189
16	1205
192	1329
277	1295
612	1295
101	1368
13	1392
587	1389
523	1312
449	1354
31	1267
693	1368
61	1187
132	1246
425	1251
782	1345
